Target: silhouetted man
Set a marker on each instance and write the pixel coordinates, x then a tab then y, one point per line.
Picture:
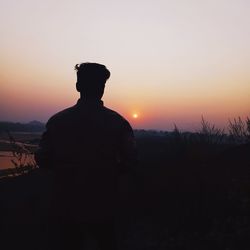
86	146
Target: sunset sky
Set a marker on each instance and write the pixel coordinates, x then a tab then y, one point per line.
171	61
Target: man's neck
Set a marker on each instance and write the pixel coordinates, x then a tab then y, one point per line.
88	99
90	102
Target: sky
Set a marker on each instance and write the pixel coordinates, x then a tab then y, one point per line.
171	61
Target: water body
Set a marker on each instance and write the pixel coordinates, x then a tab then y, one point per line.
5	160
7	156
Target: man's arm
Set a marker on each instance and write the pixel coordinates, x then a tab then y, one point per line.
44	154
128	149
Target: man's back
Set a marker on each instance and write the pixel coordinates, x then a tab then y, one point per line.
87	133
87	146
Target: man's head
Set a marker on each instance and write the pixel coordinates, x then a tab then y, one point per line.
91	79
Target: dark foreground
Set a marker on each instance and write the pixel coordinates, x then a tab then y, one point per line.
177	202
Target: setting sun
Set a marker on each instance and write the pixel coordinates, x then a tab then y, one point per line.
135	116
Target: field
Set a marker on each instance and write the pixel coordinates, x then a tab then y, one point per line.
188	191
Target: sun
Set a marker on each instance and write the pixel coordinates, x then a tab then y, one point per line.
135	115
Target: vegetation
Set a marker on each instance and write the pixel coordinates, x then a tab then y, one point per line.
239	130
188	191
33	126
23	159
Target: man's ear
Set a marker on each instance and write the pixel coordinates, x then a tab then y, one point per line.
78	86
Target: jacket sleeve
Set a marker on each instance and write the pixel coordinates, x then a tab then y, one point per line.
44	154
128	149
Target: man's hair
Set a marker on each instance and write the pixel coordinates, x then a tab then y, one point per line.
92	73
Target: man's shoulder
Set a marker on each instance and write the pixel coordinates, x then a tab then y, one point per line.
113	114
61	115
116	118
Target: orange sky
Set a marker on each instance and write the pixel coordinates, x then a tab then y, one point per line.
170	61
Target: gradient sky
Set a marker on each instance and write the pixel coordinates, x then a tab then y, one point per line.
170	61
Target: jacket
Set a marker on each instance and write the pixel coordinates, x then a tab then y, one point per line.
87	147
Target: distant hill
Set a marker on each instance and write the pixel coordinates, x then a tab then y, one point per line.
36	123
33	126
